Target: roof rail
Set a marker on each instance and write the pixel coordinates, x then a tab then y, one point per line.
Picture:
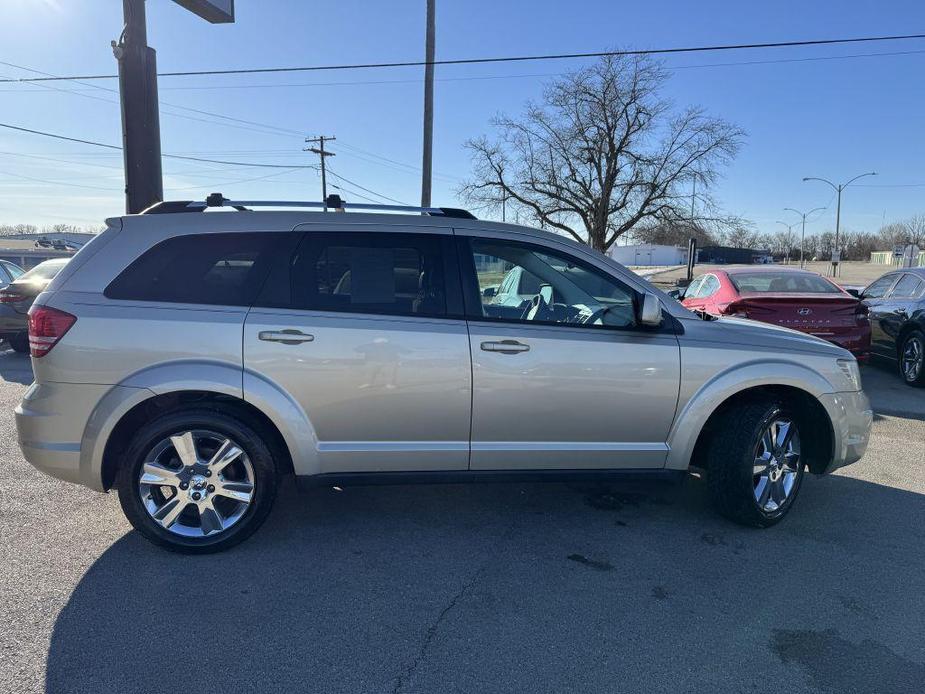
333	202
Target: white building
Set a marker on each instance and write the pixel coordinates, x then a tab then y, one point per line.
648	254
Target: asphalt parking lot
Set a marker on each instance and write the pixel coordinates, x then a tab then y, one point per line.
480	588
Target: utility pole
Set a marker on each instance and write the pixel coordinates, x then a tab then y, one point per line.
141	135
428	149
804	215
838	189
323	154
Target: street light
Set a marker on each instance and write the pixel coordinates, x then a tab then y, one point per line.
838	189
804	215
789	236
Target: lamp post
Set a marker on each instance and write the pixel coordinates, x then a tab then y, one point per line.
789	236
804	215
838	189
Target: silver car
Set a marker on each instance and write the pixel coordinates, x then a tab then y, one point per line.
190	359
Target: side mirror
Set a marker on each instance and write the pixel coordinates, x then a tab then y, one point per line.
650	313
489	292
854	291
675	293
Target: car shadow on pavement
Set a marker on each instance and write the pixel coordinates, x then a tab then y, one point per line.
14	367
514	587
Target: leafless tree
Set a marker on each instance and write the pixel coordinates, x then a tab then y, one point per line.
602	153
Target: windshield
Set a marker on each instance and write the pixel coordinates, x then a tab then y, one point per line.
44	271
789	282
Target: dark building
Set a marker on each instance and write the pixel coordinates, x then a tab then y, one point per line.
725	255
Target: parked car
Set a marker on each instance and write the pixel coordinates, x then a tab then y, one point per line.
793	298
896	302
17	297
192	360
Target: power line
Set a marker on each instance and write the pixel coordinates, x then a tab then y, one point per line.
202	159
496	59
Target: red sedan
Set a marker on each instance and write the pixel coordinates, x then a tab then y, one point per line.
793	298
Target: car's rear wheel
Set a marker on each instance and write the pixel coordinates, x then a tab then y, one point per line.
754	466
197	481
912	359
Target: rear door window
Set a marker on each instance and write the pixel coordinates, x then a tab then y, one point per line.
223	269
380	273
909	287
709	287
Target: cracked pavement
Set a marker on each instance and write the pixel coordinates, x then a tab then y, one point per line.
478	588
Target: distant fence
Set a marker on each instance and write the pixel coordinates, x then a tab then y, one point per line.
887	258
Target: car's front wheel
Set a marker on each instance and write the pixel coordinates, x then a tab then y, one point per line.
754	466
197	481
912	358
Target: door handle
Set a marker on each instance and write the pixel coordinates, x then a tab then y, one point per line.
505	347
287	337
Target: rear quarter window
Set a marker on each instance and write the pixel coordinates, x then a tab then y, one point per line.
217	269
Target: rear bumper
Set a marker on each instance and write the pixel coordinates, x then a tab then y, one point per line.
851	417
11	322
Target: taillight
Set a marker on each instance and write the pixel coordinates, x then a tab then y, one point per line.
8	297
46	326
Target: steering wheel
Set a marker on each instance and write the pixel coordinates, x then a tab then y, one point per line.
597	315
538	309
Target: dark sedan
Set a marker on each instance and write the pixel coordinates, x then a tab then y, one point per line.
896	303
17	297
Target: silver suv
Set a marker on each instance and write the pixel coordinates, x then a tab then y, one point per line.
190	358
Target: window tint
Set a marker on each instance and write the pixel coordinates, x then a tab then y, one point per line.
878	288
396	274
13	270
691	291
45	270
784	281
909	286
226	269
566	290
709	287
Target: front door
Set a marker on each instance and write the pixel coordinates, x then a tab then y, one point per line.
571	382
880	309
365	332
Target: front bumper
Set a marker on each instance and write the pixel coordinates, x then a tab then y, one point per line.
851	417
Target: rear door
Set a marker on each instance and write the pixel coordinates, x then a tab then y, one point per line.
365	331
563	385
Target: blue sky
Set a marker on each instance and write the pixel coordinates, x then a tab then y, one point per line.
832	118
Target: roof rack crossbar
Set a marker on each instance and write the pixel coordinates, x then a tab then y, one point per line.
333	202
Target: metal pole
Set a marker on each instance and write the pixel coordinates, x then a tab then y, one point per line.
427	158
837	228
802	241
141	138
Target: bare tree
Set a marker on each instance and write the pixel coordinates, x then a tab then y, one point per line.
601	154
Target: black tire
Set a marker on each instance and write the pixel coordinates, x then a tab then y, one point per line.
19	343
265	478
917	379
731	454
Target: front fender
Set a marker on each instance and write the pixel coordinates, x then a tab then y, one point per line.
695	412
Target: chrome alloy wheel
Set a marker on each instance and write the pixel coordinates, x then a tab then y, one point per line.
196	483
777	464
913	358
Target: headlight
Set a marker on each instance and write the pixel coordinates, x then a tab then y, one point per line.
849	367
